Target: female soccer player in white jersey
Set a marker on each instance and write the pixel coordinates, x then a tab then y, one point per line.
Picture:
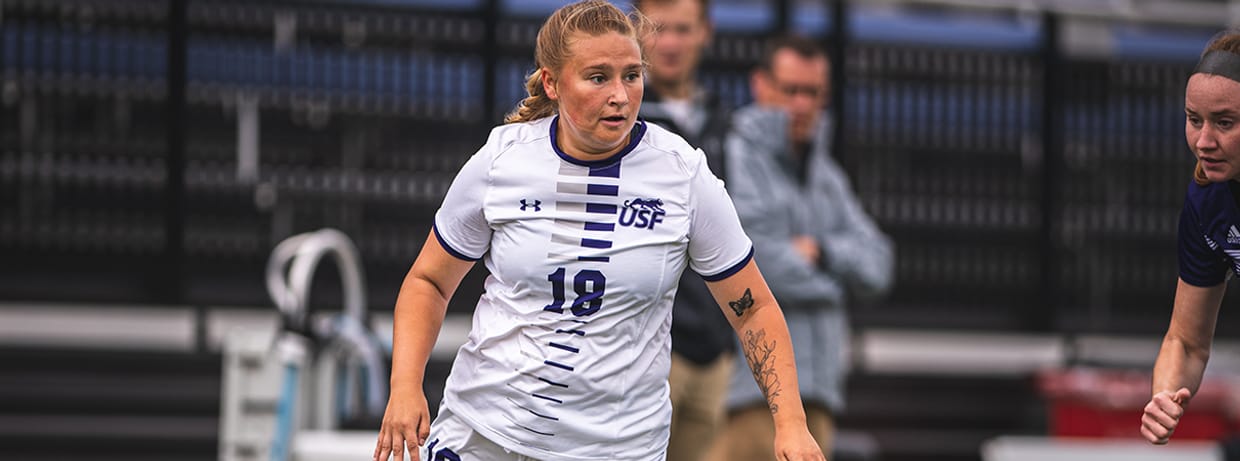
585	217
1209	242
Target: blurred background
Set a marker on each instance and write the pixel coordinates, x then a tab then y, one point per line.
1027	157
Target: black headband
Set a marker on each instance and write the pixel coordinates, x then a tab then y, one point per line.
1219	62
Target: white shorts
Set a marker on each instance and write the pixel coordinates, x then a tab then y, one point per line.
452	439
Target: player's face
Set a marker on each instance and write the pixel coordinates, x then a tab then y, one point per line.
799	86
677	46
599	91
1212	124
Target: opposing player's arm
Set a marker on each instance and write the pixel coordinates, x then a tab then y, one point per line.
1186	347
1182	359
751	309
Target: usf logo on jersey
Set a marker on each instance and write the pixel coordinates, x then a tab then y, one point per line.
642	213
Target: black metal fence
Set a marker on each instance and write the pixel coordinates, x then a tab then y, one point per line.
1026	189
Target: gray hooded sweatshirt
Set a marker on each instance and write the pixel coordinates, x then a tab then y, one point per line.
775	206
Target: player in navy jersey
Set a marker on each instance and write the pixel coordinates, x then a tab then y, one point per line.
1209	234
585	217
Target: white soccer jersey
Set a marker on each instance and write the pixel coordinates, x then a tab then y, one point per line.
569	352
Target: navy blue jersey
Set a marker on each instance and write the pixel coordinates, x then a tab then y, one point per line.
1209	235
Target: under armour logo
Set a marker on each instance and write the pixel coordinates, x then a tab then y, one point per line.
535	205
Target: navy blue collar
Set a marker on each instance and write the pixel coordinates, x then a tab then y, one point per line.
635	137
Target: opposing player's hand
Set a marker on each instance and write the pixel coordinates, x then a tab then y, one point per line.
1162	415
406	425
797	445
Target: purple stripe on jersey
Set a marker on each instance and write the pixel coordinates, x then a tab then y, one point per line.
595	259
601	226
548	434
609	171
731	270
602	189
595	243
558	365
572	332
567	348
540	415
600	208
452	251
553	383
552	399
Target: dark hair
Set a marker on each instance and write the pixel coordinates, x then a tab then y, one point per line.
553	49
1225	41
705	4
798	44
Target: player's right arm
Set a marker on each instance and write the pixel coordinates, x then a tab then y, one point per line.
1182	358
420	309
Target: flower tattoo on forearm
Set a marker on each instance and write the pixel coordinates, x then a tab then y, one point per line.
761	354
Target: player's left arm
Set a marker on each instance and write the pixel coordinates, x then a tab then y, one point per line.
751	309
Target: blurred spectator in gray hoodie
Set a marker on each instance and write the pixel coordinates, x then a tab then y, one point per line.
812	240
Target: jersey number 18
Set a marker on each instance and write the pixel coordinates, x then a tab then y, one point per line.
589	285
